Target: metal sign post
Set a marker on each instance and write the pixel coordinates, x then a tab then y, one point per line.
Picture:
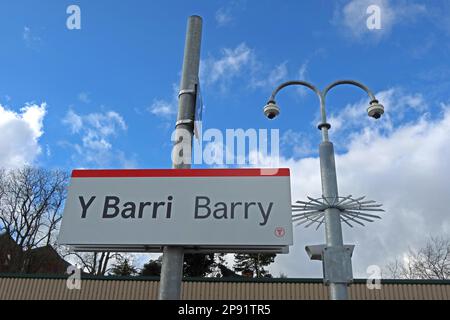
172	264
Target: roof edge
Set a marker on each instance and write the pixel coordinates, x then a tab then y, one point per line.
231	279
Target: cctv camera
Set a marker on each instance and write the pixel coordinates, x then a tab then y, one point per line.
271	110
375	110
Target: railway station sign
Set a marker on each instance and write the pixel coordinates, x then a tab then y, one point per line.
229	210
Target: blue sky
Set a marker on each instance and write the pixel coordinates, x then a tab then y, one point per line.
91	95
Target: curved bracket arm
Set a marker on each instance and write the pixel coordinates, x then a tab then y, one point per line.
308	85
324	126
297	83
351	82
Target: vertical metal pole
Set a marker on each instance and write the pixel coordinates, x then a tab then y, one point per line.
333	229
172	264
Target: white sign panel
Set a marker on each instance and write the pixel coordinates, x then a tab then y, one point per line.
204	209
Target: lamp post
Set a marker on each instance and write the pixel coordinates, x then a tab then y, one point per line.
331	209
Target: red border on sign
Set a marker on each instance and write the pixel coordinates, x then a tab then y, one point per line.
167	173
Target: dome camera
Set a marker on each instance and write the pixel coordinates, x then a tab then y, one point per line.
271	110
376	110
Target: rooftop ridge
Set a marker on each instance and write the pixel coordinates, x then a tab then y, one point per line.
230	279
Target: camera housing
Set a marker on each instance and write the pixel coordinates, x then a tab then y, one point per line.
271	110
376	110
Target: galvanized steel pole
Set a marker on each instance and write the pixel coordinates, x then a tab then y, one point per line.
333	228
335	256
173	256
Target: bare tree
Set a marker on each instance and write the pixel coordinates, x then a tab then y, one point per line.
31	202
93	263
2	187
124	268
429	262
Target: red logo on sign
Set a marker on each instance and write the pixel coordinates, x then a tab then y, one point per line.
280	232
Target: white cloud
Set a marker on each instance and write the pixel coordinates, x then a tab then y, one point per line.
84	97
162	108
223	16
74	121
165	108
96	131
302	72
269	80
402	165
231	64
397	104
298	143
19	141
106	123
242	63
275	77
226	14
353	16
26	34
302	75
31	40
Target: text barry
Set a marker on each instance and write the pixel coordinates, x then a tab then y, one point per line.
204	208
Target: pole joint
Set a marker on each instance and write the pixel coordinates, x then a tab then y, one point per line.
184	121
192	92
324	125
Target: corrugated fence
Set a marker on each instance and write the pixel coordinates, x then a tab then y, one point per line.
14	287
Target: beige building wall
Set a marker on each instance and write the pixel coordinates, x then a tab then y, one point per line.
25	287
